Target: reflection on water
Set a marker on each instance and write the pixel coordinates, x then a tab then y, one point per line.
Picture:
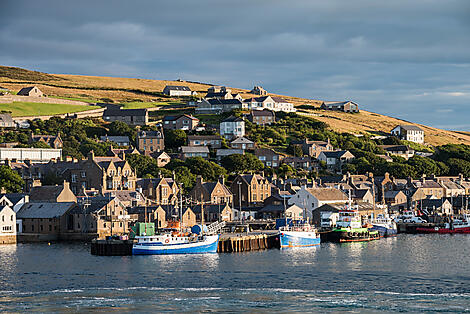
406	273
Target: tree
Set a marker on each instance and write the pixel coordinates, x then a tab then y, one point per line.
185	177
10	180
241	163
175	138
209	170
295	150
285	171
458	166
121	128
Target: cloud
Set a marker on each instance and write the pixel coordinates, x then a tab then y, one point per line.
402	58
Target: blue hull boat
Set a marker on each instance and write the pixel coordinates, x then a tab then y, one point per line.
162	245
385	231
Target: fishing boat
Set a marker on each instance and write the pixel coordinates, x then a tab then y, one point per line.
298	235
385	225
349	228
454	226
175	244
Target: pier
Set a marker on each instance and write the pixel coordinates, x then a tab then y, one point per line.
245	243
111	247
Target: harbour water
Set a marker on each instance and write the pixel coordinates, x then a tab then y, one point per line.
404	273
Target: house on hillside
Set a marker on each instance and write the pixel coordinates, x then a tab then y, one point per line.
410	133
162	159
232	127
118	140
281	104
150	142
217	106
345	106
268	157
181	122
194	151
174	90
242	143
258	90
54	141
250	189
213	141
129	116
399	150
314	148
336	159
6	121
30	91
262	117
211	192
161	191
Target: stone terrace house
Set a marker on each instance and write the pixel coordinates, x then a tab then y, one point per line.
396	200
345	106
118	140
314	148
312	198
262	117
399	150
106	173
161	191
155	214
217	106
211	192
6	121
213	141
305	163
7	225
232	127
174	90
30	91
268	157
258	90
52	194
410	133
181	122
242	143
53	141
149	142
129	116
250	189
424	188
214	212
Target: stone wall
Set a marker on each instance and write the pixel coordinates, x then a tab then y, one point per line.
44	100
8	239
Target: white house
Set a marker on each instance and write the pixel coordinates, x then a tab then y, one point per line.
7	225
280	104
312	198
232	127
173	90
35	155
410	133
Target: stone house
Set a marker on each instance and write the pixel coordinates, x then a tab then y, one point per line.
345	106
212	141
396	200
214	212
7	225
250	189
162	159
242	143
52	194
410	133
174	90
211	192
30	91
6	121
161	191
262	117
194	151
258	90
150	142
217	106
305	163
312	198
181	122
54	141
154	214
363	195
314	148
336	159
451	188
268	157
129	116
118	140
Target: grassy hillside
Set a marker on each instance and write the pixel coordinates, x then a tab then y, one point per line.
137	93
26	109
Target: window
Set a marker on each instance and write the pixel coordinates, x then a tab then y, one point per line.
83	174
74	178
11	218
50	228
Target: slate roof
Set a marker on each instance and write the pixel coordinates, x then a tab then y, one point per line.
334	154
44	210
177	87
209	208
410	127
228	151
47	193
395	148
194	149
279	99
173	118
215	101
6	118
25	90
262	113
156	134
203	137
14	197
241	140
117	139
113	111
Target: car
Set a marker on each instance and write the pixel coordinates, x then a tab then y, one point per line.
418	220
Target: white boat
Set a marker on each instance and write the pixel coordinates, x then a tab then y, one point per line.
385	225
300	235
175	244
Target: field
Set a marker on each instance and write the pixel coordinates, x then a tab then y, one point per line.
144	93
21	109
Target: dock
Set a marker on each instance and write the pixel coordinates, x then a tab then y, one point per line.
403	227
111	247
245	243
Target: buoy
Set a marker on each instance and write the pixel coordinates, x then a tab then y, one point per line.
48	243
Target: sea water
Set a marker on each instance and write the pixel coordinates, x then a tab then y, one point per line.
413	273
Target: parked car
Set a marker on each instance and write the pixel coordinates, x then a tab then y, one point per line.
416	220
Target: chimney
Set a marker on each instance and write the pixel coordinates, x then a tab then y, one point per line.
199	180
3	190
387	176
423	178
222	179
91	155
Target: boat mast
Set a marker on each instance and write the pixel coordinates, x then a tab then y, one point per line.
181	209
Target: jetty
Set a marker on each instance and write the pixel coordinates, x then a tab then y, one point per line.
229	243
111	247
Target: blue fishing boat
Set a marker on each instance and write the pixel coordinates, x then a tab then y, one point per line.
298	235
175	244
385	225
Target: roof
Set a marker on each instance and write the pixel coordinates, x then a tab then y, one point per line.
194	149
117	139
14	197
264	151
177	87
279	99
233	119
360	193
410	127
157	134
216	101
228	151
335	154
392	194
45	193
241	140
327	194
203	137
113	111
173	118
212	208
92	205
25	90
335	207
395	148
6	117
264	112
44	210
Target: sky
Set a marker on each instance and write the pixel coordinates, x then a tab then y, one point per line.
404	58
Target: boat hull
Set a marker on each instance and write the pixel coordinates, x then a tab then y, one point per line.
384	231
353	235
291	239
443	230
208	245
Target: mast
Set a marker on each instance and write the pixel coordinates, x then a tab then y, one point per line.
202	209
181	210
